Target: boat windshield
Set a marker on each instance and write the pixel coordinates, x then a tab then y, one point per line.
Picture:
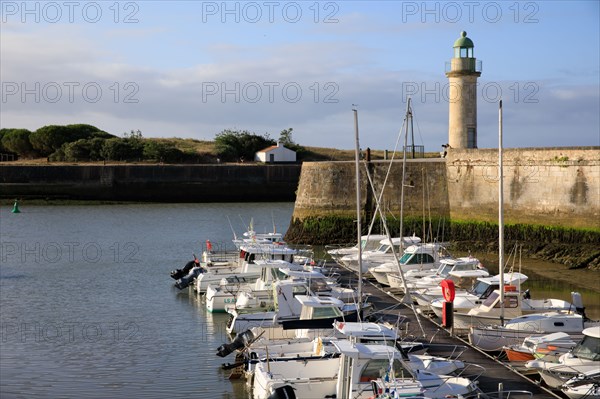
405	258
491	299
445	271
418	259
378	368
588	348
383	248
480	288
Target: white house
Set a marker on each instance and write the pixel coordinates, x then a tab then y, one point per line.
275	153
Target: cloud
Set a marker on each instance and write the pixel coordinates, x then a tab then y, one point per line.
306	84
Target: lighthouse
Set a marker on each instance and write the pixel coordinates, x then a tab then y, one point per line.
462	72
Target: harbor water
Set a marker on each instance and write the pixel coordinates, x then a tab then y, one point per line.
88	308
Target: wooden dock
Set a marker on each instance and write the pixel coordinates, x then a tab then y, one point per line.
388	307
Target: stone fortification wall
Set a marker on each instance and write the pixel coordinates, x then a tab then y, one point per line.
550	186
328	188
174	183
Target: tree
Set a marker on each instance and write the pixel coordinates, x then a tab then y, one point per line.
2	133
48	139
17	141
285	137
233	145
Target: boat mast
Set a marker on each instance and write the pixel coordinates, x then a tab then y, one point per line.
358	204
408	118
500	215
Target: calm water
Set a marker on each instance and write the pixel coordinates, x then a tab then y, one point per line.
88	308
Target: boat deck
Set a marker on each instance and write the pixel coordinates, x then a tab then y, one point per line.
388	306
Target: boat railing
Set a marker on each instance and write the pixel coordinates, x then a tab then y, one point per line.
471	371
511	394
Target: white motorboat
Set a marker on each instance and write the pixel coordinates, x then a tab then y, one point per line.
293	311
280	350
583	358
248	254
351	374
368	242
384	253
514	331
583	386
419	280
547	347
463	279
489	312
420	258
466	300
251	237
218	297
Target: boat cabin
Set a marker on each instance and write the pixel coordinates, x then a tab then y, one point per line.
484	286
248	254
423	254
589	346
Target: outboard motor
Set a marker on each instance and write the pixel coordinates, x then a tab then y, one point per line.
184	282
241	340
180	273
284	392
578	302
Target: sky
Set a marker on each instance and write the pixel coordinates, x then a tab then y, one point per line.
191	69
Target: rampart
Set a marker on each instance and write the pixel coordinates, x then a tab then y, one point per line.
552	187
157	183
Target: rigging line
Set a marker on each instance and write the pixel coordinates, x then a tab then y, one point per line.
424	184
232	230
397	260
429	206
420	137
387	175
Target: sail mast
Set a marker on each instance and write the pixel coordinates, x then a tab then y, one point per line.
500	215
358	210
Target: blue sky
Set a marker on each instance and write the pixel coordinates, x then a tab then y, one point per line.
192	69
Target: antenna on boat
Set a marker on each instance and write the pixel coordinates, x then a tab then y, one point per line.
500	215
358	204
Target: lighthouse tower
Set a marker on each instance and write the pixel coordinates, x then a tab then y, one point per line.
462	72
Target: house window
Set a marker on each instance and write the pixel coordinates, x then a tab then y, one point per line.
271	158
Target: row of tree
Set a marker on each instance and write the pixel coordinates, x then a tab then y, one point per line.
80	143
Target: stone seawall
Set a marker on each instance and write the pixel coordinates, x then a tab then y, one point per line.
158	183
551	200
552	187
